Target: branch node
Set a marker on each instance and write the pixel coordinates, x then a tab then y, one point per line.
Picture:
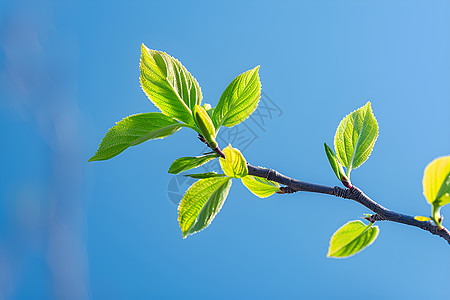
286	190
374	218
272	174
341	193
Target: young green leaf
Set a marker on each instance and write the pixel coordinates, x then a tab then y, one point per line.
205	125
205	175
436	185
355	137
261	187
436	181
187	163
234	164
201	202
134	130
239	100
352	238
169	85
336	165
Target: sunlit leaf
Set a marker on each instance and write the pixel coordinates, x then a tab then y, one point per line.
234	164
239	100
187	163
201	202
169	85
352	238
436	181
261	187
335	164
355	137
205	126
134	130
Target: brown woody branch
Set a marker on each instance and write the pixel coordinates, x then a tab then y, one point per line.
353	193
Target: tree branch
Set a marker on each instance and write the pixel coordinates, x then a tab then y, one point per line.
381	213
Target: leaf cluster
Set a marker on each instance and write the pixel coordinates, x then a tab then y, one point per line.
177	95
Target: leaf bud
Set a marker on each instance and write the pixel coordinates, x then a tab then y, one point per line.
205	125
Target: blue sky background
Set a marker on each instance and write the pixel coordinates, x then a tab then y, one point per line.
70	229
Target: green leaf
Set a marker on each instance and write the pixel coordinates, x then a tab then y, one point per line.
335	164
261	187
355	137
169	85
210	113
436	181
239	100
205	175
436	186
205	126
134	130
422	218
187	163
234	164
352	238
201	202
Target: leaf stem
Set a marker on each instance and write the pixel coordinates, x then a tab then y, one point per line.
215	149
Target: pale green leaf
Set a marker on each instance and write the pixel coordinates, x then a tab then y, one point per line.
335	164
352	238
261	187
187	163
436	181
234	164
201	202
134	130
169	85
239	100
355	137
205	175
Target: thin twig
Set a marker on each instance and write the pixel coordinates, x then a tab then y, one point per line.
381	213
216	149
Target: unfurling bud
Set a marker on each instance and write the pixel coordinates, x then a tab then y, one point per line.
206	126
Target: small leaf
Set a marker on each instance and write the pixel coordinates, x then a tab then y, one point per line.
355	137
201	202
335	164
352	238
239	100
436	181
261	187
169	85
134	130
234	164
436	186
205	126
422	218
187	163
205	175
